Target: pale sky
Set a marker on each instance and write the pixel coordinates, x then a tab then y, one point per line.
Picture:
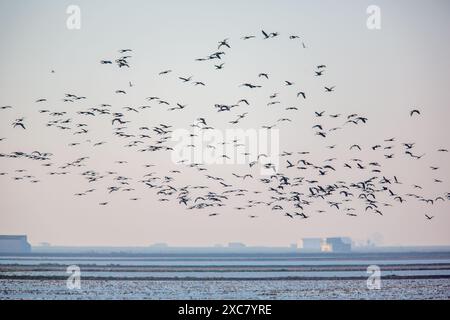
379	74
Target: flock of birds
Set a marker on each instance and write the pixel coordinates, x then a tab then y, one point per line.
293	191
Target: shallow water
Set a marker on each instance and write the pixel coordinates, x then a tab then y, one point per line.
426	276
226	289
224	274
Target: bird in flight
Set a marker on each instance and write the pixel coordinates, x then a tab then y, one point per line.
249	85
269	35
301	93
184	79
165	72
293	187
319	114
223	43
19	124
219	66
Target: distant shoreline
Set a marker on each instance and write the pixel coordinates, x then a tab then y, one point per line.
404	266
45	267
87	278
175	252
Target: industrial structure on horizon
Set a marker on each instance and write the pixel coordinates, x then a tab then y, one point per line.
19	244
14	244
335	244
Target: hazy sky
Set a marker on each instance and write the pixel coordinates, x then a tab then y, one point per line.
380	74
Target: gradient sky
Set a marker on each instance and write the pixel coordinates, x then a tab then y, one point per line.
381	74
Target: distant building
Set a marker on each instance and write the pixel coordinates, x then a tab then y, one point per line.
312	244
339	244
336	244
326	247
236	245
14	244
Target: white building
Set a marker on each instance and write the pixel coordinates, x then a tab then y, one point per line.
14	244
336	244
312	244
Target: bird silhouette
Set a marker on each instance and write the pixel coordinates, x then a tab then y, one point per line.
300	182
